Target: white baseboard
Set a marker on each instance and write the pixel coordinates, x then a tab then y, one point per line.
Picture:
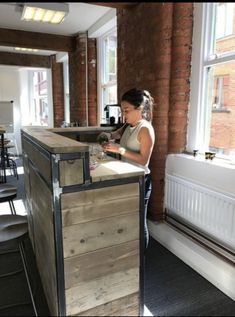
213	268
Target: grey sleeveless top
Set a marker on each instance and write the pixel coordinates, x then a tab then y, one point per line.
129	140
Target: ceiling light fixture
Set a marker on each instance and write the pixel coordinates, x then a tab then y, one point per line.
45	12
26	49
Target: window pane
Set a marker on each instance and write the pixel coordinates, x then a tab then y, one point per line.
224	25
110	97
40	108
108	72
221	100
110	64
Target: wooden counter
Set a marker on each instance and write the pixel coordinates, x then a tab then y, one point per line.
86	227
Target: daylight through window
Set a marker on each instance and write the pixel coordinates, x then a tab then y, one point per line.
212	113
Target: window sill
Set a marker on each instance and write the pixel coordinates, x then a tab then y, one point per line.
217	174
221	110
225	162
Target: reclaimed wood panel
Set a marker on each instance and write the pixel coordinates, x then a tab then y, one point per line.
93	235
84	206
125	306
71	172
89	294
101	249
101	262
41	162
27	200
42	211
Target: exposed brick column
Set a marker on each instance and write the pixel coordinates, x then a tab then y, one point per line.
144	61
154	53
57	91
77	81
180	74
92	82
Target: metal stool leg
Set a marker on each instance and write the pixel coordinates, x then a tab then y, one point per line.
23	257
12	207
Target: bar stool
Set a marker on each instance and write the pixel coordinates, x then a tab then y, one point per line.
13	231
9	161
7	193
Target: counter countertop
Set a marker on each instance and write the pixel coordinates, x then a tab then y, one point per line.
111	168
53	142
81	129
107	169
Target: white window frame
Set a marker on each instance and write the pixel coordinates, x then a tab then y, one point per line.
49	93
100	64
199	116
226	19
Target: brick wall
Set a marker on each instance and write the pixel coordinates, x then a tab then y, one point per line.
92	83
57	91
154	53
83	81
77	81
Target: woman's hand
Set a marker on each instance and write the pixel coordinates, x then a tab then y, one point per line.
103	137
111	147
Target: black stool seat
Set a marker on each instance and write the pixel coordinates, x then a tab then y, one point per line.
7	192
13	231
13	227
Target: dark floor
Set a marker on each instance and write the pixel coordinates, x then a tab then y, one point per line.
172	288
15	299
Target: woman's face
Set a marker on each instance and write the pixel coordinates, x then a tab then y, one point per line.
130	113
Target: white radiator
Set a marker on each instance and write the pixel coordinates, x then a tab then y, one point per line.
210	212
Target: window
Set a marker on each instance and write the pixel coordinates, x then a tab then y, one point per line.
225	18
40	104
66	91
108	76
220	92
212	100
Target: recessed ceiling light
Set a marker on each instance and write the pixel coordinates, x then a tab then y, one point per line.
45	12
26	49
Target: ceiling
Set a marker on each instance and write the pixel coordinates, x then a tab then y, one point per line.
80	18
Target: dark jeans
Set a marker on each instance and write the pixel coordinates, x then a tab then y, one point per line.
148	189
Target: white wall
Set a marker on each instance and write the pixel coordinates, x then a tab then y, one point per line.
10	90
15	85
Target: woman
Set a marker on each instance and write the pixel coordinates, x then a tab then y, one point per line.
137	137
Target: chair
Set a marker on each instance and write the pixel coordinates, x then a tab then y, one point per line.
9	161
13	232
11	164
7	193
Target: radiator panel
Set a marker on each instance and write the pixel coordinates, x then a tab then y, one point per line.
210	212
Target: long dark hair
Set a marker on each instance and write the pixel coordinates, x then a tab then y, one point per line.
139	97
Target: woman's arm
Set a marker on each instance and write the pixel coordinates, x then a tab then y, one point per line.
146	139
116	135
